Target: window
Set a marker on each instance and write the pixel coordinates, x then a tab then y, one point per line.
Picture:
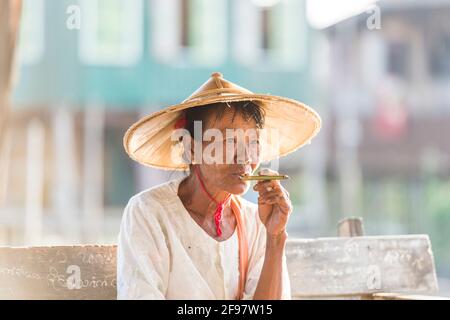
190	30
437	44
31	38
439	57
111	32
398	60
119	179
270	31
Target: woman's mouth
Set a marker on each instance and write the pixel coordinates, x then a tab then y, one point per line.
239	174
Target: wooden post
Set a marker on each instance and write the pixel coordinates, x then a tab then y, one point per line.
93	191
9	25
35	182
65	198
350	227
348	126
5	161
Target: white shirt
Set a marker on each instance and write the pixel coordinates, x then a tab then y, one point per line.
164	254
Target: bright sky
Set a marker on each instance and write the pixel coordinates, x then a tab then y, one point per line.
265	3
324	13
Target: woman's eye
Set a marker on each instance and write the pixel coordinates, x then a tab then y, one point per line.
230	140
254	142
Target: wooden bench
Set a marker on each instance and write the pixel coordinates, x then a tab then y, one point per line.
348	267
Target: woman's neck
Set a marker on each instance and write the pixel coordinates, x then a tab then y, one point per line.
195	198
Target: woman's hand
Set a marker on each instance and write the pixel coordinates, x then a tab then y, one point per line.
274	205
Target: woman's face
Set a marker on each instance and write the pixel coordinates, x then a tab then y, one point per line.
239	141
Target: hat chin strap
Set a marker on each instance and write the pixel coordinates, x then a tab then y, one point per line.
219	205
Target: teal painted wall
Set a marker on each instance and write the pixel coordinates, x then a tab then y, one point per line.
61	79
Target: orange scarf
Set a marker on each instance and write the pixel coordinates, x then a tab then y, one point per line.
243	246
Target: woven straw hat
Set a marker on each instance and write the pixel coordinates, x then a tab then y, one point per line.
149	140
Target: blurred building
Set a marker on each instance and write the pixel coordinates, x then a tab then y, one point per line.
383	95
389	120
90	68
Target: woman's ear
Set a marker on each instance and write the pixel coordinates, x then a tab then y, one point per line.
192	152
188	150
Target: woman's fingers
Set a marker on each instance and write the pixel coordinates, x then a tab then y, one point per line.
263	186
273	193
268	189
278	199
267	171
285	209
271	200
276	192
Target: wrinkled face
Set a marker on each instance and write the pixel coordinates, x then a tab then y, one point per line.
231	149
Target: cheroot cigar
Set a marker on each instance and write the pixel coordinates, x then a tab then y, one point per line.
264	177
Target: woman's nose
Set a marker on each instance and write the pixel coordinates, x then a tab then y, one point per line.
244	154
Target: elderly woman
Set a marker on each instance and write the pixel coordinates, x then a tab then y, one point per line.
195	237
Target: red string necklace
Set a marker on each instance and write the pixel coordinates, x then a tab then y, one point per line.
219	205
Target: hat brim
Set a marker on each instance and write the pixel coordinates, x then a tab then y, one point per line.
149	142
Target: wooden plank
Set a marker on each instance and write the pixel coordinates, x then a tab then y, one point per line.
351	227
397	296
61	272
361	265
326	267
